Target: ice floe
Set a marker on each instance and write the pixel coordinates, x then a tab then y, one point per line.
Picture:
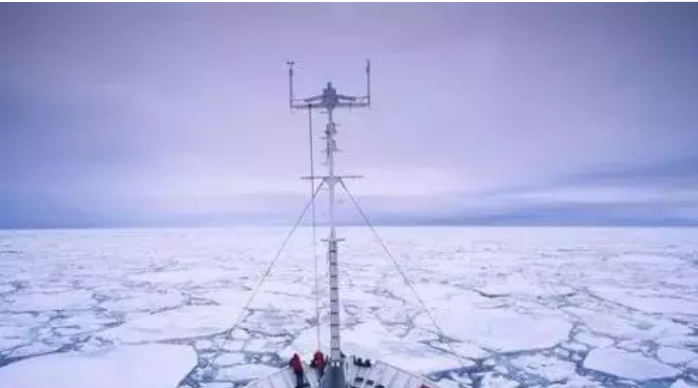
503	330
493	380
675	356
45	301
681	384
518	285
241	373
637	327
628	365
593	340
648	301
145	366
548	368
186	322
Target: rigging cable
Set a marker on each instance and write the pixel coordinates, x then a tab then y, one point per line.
400	270
239	319
312	191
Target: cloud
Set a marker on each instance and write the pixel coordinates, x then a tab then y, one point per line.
126	113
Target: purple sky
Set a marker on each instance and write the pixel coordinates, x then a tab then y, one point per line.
486	113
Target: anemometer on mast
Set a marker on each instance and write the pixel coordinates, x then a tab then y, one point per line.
329	99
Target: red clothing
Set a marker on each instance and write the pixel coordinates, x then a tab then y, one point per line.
296	364
319	360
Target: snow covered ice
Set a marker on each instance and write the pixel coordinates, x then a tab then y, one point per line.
567	307
146	366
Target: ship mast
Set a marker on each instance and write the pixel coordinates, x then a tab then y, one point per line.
327	102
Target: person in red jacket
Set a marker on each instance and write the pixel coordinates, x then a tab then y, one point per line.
297	367
319	362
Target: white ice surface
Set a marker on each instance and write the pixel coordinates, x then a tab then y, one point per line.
46	301
675	356
503	330
146	366
649	301
575	346
517	285
99	277
492	380
548	368
245	372
33	349
681	384
692	365
230	359
186	322
628	365
593	340
616	326
151	301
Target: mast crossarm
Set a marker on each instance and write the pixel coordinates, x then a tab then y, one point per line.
323	177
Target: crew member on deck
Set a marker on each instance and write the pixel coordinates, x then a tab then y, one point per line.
297	366
319	363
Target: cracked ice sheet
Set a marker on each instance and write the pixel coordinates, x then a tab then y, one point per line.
192	276
517	285
552	370
675	356
492	380
501	330
245	372
628	365
40	301
143	301
638	327
147	366
186	322
666	302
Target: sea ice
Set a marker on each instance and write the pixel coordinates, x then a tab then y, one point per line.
648	261
10	343
675	356
693	365
144	301
593	340
678	341
639	328
147	366
275	322
33	349
548	368
44	301
230	359
245	372
186	322
575	346
266	344
493	380
193	276
682	384
447	383
627	365
464	349
503	330
517	284
643	300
